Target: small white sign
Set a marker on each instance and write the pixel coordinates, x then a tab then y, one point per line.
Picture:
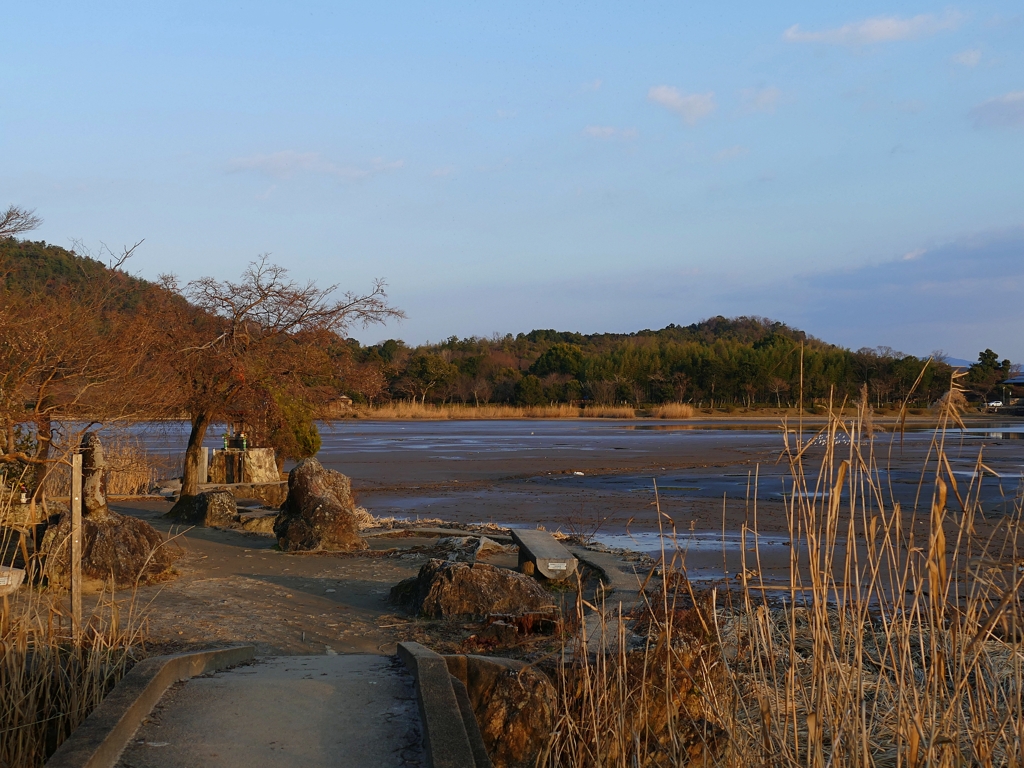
556	566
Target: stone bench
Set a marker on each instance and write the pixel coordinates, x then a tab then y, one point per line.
540	552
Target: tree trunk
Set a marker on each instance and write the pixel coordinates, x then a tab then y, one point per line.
190	473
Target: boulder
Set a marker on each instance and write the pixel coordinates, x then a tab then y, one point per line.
514	705
214	509
117	548
450	589
319	513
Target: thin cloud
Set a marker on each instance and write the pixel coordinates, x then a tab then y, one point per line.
593	85
288	163
879	29
969	58
761	99
731	153
610	132
691	107
1006	111
439	173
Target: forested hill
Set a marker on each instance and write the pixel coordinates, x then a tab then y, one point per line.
28	267
745	330
748	361
33	266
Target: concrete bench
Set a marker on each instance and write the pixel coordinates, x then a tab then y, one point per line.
541	552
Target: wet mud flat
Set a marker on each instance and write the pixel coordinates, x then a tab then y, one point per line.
568	475
600	479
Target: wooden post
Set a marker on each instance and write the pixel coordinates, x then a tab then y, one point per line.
76	543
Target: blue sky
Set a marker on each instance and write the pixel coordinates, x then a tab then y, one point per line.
856	170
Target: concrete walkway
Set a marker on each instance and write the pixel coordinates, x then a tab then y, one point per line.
309	711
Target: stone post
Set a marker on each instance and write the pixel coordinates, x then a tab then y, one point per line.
94	477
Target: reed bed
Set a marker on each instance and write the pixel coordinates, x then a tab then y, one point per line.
902	648
674	411
132	470
51	679
455	411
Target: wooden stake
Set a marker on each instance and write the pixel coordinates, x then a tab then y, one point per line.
76	543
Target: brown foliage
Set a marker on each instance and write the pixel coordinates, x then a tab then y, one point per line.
265	339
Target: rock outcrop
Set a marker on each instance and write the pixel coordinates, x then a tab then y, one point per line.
451	589
214	509
115	547
319	513
514	705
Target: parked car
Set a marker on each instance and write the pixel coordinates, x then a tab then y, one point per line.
996	404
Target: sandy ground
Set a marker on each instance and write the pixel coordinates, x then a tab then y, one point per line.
234	587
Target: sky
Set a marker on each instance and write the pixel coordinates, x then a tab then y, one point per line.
855	170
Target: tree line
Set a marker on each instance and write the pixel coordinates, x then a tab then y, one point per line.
720	362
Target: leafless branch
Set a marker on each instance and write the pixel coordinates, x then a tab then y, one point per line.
15	221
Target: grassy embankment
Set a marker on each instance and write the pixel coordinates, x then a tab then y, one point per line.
902	651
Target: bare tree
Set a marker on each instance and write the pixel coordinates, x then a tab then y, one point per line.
262	331
777	386
71	353
15	221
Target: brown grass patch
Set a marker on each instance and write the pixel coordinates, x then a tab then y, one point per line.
899	650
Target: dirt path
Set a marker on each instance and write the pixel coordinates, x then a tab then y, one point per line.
234	587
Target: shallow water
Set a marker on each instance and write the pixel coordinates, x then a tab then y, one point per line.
481	469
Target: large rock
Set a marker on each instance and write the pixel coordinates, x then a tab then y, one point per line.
319	513
214	509
514	705
451	589
117	548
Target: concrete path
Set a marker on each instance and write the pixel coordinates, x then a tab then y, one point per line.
310	711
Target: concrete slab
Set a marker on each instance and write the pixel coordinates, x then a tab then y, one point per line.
618	575
286	712
549	557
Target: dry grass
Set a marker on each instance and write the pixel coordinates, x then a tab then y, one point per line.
52	680
674	411
51	677
901	651
609	412
429	411
131	470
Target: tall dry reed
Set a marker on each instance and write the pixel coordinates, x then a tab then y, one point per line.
132	470
51	679
674	411
52	676
428	411
892	644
